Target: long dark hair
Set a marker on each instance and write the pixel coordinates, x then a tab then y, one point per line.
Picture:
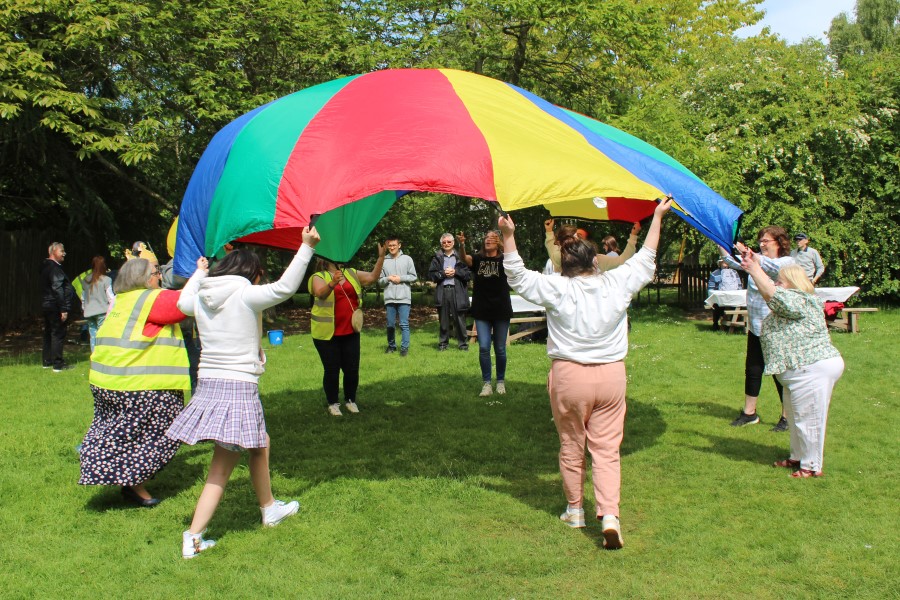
98	269
576	255
239	262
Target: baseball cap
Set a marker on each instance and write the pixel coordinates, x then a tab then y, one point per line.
801	236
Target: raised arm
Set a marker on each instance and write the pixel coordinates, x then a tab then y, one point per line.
370	277
652	239
751	263
189	292
461	238
261	297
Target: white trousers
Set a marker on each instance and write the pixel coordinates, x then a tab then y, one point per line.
807	395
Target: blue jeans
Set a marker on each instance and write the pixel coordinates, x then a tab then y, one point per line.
94	324
492	332
393	310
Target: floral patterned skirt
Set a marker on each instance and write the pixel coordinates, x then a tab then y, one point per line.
126	443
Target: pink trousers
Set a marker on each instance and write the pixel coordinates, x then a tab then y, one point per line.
588	403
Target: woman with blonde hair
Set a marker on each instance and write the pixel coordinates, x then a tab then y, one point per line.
797	350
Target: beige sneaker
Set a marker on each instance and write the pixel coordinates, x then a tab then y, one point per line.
501	387
351	407
486	389
334	409
612	532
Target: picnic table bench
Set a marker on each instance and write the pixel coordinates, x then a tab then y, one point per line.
848	319
523	312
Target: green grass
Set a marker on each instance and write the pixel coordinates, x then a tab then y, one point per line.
432	492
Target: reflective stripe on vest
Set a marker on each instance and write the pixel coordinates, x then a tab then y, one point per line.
321	324
125	359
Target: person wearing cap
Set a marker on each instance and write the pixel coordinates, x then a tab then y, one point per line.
724	278
808	258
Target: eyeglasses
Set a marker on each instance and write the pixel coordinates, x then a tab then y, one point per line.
766	241
156	272
446	241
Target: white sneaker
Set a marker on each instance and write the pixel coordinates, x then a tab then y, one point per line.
193	544
501	387
334	409
573	517
612	532
278	511
351	407
486	390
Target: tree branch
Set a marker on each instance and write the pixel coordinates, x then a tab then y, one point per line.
140	186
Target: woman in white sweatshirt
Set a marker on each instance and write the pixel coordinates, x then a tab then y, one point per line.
226	409
587	342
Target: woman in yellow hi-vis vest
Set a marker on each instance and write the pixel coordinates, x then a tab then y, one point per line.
337	293
139	371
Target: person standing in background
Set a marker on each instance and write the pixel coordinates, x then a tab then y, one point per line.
397	274
451	296
57	301
96	297
808	258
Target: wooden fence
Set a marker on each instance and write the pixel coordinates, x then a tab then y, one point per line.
23	253
690	281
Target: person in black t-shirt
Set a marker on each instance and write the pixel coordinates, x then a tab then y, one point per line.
491	307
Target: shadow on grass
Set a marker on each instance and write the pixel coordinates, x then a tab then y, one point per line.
712	409
741	450
177	476
422	427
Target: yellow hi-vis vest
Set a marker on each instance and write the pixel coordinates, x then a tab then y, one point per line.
125	359
321	323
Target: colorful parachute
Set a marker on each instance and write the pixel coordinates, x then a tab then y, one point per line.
348	149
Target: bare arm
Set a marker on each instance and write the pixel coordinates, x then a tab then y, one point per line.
369	277
461	238
652	239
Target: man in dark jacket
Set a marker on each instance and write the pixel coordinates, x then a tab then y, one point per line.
57	302
452	275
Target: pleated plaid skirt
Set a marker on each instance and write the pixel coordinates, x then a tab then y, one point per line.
225	411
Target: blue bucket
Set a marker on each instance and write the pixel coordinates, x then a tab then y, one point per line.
276	337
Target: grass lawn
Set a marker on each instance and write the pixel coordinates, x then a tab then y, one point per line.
433	492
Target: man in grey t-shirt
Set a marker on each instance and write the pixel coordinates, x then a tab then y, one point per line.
808	258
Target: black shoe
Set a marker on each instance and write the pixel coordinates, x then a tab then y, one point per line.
390	350
404	351
132	496
745	419
781	425
464	348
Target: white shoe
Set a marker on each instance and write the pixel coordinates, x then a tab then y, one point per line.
278	511
334	409
193	544
573	517
486	390
352	407
501	387
612	532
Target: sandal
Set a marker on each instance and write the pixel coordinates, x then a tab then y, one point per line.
804	473
788	463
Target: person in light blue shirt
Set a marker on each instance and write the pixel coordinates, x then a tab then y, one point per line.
397	274
774	249
726	279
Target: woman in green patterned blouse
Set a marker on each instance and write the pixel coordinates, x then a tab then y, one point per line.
798	351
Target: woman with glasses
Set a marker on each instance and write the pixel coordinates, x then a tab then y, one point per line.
139	371
774	254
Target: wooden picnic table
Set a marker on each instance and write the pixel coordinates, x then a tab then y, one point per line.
523	312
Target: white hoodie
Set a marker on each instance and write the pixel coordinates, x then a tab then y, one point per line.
585	315
228	310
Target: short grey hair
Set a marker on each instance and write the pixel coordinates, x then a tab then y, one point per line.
446	235
133	275
53	247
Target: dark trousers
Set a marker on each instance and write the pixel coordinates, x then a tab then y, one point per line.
449	317
54	338
753	369
718	313
340	353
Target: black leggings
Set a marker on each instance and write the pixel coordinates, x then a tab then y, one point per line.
340	353
753	369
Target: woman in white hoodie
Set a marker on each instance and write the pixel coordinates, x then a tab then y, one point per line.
587	341
226	409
